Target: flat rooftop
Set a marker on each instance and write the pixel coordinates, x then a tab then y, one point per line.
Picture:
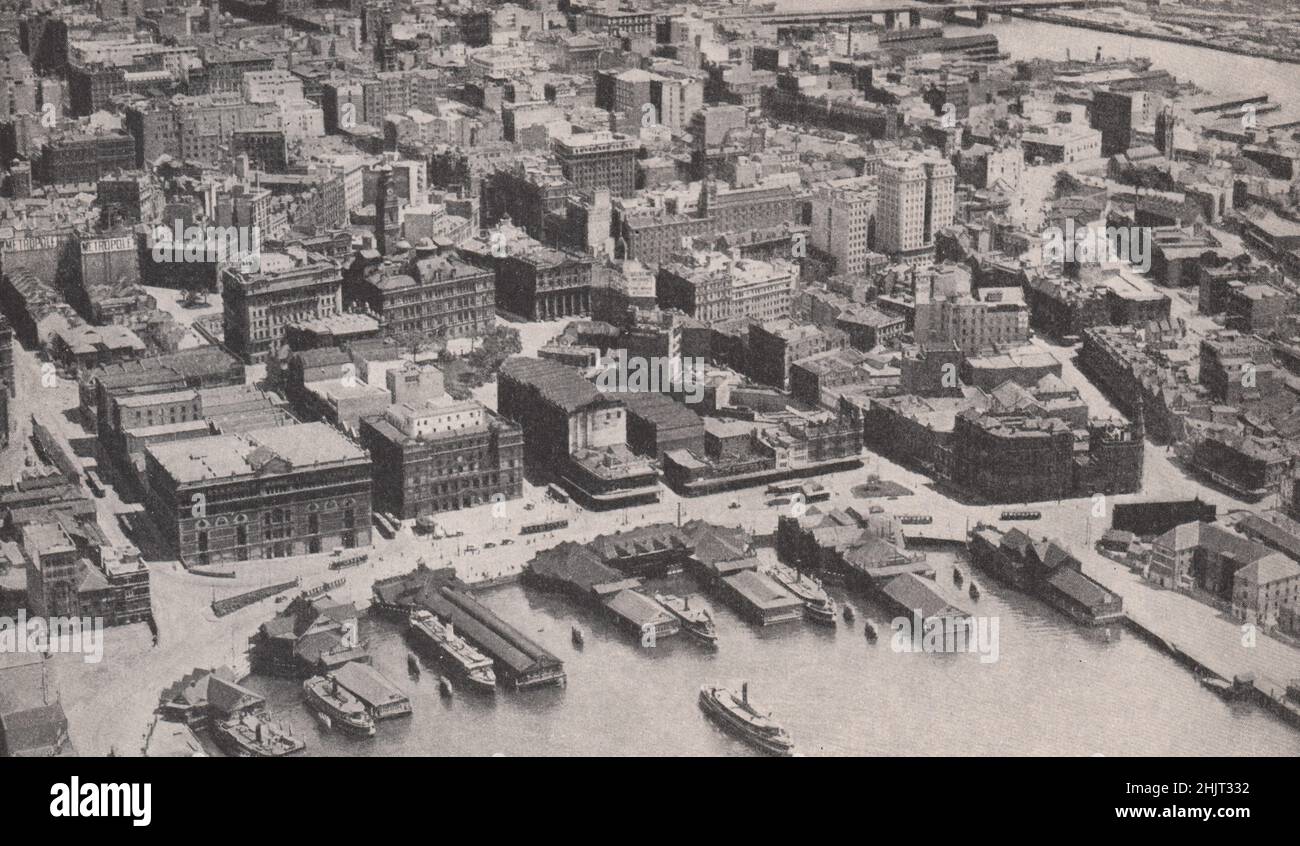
251	453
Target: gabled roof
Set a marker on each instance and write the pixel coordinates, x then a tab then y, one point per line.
1274	567
914	593
227	697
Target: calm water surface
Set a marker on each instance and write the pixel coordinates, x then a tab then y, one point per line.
1056	689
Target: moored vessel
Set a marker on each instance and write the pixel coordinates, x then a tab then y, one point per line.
733	711
346	712
696	622
817	604
473	666
254	736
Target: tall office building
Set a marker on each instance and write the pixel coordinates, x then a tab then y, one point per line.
596	160
916	201
844	221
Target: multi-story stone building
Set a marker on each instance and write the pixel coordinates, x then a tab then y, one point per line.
712	286
1250	467
916	200
442	455
194	127
260	304
994	317
775	345
599	160
426	292
542	283
267	493
574	432
844	221
84	157
1266	591
1236	367
1010	457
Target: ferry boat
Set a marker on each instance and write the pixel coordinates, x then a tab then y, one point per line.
1021	515
345	711
474	666
696	622
254	736
733	712
817	606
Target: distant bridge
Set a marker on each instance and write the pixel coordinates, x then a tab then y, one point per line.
888	12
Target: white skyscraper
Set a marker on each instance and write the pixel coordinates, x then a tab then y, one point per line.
916	201
844	221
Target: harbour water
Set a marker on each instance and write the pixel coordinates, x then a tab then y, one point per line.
1057	689
1209	69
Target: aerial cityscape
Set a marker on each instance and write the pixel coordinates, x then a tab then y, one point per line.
629	378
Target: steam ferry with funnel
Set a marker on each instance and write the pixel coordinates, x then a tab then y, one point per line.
696	622
344	710
473	666
255	736
817	605
734	712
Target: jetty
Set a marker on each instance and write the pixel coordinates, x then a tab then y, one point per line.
383	699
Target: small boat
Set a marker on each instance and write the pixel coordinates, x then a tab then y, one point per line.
444	686
412	665
577	636
323	719
870	631
956	577
733	711
974	592
848	614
